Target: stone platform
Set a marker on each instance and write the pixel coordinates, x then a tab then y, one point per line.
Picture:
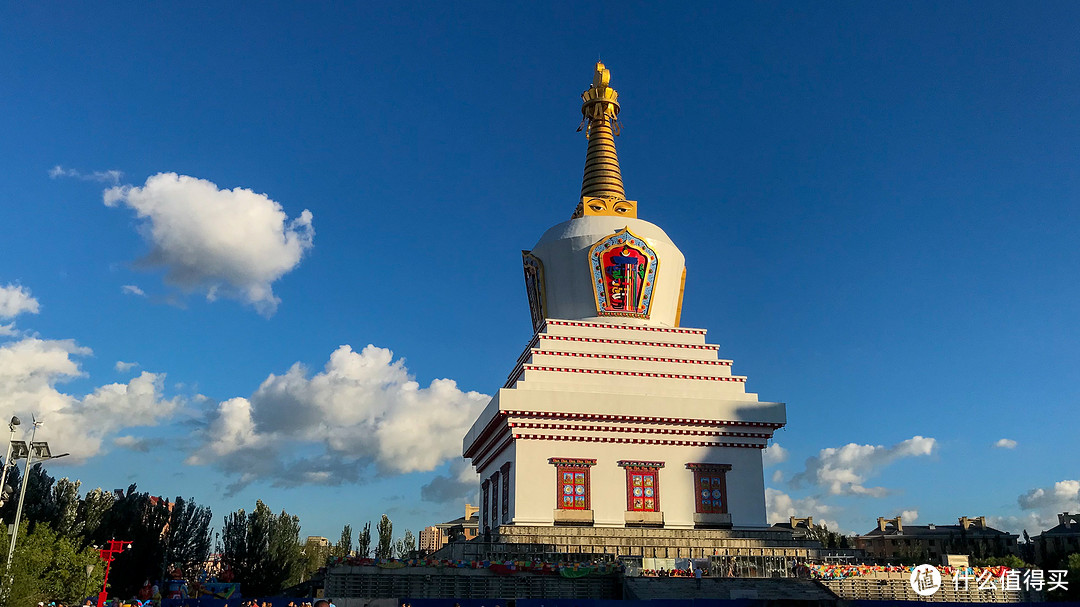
613	542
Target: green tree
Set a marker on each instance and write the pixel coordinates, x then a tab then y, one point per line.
141	519
233	544
63	514
93	509
187	543
38	499
408	544
263	550
385	549
363	547
315	556
48	566
344	545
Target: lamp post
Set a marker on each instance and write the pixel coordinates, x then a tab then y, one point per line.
107	555
41	449
7	459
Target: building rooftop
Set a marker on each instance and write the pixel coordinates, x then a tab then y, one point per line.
1068	524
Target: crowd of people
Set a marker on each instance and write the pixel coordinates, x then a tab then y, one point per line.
837	571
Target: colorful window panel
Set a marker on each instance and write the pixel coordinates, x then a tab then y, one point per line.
506	492
644	490
573	488
711	492
710	487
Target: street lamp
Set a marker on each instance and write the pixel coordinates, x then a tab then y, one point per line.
8	462
40	449
107	555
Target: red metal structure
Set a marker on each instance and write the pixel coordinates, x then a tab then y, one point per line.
107	555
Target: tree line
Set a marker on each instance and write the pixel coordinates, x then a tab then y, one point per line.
57	553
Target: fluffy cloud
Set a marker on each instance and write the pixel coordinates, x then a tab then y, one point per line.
1063	496
780	507
909	516
774	454
845	470
112	176
15	300
232	243
32	368
1041	507
461	483
363	409
1005	443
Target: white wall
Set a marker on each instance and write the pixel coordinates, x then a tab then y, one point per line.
536	490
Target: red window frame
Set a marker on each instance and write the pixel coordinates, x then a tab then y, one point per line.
486	507
493	515
710	487
642	485
572	484
506	492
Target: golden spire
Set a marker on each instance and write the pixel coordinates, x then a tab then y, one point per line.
602	187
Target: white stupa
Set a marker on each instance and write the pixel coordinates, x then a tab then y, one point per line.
614	416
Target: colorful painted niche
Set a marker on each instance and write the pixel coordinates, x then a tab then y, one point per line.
623	274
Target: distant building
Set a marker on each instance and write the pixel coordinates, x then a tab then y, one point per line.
317	540
1057	542
892	540
468	527
431	539
801	528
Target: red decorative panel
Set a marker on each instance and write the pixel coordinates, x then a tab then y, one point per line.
572	483
710	486
642	485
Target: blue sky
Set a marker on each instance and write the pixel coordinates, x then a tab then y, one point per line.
878	207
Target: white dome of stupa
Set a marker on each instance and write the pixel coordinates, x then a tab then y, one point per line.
605	264
570	295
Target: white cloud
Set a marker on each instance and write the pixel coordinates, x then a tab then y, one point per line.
1063	496
461	483
777	476
133	443
780	507
363	409
1005	443
123	367
845	470
774	454
31	369
909	516
132	290
15	300
112	176
1041	507
232	243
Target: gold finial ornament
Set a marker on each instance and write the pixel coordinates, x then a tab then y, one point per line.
602	190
